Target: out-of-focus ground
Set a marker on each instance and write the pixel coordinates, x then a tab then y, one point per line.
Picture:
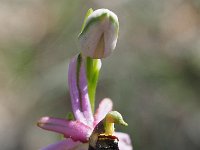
153	76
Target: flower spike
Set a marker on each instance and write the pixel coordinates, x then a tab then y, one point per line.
85	128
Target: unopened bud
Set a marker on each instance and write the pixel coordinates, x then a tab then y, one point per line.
99	35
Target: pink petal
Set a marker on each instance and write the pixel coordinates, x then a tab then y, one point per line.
79	92
86	107
74	93
105	106
73	129
124	141
67	144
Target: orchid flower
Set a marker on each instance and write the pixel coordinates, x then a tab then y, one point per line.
77	132
84	128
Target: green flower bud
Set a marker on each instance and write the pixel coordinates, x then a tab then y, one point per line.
99	34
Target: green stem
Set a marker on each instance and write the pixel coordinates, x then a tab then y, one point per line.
93	68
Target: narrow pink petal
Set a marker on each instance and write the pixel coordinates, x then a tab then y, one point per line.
86	106
74	93
67	144
124	141
79	91
105	106
73	129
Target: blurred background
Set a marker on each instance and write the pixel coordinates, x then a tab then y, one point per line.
153	76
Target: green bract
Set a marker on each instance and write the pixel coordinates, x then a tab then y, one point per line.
99	33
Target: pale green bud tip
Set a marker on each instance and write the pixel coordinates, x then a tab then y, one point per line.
115	117
99	35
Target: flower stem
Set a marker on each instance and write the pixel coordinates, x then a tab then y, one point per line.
93	68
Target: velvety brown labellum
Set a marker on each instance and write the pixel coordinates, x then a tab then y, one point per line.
105	143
